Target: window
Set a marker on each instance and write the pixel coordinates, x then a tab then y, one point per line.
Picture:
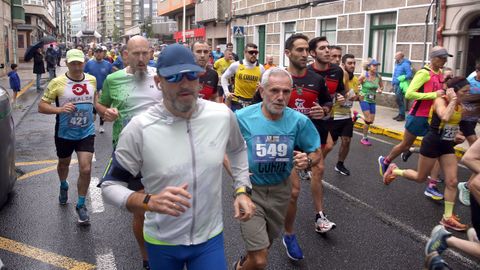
382	38
328	28
21	41
288	30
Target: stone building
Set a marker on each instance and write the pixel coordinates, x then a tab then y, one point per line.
365	28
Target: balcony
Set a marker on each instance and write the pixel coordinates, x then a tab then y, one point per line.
31	7
18	12
208	10
170	7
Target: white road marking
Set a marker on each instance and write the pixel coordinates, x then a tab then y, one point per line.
105	259
95	193
388	219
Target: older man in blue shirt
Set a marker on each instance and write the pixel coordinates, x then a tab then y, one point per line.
402	72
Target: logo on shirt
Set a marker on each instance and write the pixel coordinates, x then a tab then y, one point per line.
80	89
299	103
299	90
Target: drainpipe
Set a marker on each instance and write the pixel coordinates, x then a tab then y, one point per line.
427	18
443	17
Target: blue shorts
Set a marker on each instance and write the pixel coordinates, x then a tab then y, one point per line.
417	125
367	106
208	255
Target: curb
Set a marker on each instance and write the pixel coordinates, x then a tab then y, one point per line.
25	88
398	135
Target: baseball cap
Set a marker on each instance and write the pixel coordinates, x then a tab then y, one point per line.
75	55
441	52
176	59
98	49
374	62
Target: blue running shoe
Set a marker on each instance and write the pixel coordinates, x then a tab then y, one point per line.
294	251
63	197
438	240
433	261
381	165
83	218
433	193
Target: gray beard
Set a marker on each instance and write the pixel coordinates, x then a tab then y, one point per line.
140	75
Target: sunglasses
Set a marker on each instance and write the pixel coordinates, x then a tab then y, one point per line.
191	76
253	52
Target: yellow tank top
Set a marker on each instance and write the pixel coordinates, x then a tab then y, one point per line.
246	80
446	129
343	111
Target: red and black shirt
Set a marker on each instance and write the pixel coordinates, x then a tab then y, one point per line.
333	76
209	83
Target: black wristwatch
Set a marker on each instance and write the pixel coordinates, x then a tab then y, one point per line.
242	190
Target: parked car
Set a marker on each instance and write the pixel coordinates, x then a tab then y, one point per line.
8	176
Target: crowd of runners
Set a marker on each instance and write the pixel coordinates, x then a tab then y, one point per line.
269	127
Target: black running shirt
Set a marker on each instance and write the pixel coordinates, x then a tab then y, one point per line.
308	89
333	76
209	83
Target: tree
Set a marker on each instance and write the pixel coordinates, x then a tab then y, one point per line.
147	27
116	34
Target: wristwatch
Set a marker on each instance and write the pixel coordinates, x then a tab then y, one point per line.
242	190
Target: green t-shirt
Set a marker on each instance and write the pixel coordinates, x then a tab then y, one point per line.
129	95
369	89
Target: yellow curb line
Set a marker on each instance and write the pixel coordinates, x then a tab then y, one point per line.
39	162
459	151
42	171
25	88
43	256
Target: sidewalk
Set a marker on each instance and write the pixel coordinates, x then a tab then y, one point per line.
385	125
28	95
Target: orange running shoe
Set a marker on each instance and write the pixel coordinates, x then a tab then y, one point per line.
388	176
453	223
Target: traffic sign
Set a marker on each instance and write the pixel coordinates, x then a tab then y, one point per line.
238	31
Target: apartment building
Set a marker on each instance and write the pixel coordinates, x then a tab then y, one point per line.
214	16
174	10
365	28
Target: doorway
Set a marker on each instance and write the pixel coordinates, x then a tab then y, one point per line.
473	54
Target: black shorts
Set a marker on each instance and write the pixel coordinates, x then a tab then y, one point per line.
322	128
66	147
433	146
341	128
468	127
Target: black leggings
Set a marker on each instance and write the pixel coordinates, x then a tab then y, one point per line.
475	213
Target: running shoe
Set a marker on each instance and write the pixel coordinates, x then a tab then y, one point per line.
101	130
433	193
365	142
388	176
405	155
63	197
453	223
323	225
355	116
381	165
83	217
472	235
434	261
438	180
294	252
463	193
341	169
438	240
304	174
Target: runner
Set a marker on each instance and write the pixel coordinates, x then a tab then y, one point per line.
74	96
273	131
333	75
372	84
247	73
469	121
99	68
309	90
342	124
125	94
438	143
426	85
335	54
208	79
183	222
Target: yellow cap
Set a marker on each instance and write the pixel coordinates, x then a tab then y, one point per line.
75	55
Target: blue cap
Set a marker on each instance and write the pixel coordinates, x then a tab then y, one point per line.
176	59
374	62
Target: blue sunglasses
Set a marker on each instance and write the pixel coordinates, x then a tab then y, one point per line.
191	76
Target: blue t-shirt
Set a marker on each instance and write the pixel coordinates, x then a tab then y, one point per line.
216	55
119	63
99	70
151	63
271	143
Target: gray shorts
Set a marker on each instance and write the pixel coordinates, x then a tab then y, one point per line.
267	223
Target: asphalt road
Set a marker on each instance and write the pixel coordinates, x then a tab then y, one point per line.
378	227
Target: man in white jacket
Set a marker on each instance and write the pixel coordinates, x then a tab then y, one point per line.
178	147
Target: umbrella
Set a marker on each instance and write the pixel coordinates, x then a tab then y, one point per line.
31	50
48	39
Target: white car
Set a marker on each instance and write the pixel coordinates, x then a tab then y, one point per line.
8	176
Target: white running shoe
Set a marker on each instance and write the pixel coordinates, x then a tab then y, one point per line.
101	130
323	225
463	193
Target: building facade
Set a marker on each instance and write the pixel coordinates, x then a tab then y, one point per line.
91	6
174	10
214	16
364	28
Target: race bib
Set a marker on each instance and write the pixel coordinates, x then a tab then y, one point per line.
371	96
271	149
79	119
449	132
